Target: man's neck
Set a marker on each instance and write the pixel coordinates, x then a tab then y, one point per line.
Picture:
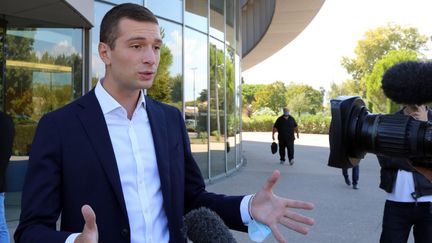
128	99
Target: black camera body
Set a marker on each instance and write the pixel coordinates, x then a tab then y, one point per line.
354	131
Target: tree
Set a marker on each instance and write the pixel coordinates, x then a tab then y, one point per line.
177	89
377	43
378	102
249	91
299	103
161	88
271	96
312	98
347	87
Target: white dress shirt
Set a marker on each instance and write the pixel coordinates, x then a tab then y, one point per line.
403	188
134	151
135	154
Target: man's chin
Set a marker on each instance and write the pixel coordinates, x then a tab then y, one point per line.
145	84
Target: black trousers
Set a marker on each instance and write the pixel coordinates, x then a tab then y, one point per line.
286	144
399	217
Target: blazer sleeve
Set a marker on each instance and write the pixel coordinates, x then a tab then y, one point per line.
41	196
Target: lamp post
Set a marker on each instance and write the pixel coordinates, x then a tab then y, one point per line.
195	104
217	99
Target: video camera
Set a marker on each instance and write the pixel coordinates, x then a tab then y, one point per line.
354	131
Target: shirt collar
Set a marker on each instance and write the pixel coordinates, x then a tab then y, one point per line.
108	103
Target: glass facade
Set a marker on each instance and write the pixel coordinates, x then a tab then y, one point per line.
42	72
42	69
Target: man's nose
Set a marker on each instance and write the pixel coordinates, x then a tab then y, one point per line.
149	56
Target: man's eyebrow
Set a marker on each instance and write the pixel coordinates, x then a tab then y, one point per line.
139	38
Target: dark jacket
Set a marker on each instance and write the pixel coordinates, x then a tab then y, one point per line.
285	128
72	163
389	171
7	133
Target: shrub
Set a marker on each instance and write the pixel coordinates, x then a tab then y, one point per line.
315	124
258	123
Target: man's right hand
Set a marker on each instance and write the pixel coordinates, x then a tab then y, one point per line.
90	231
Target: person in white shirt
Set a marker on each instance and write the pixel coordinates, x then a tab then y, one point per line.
117	164
409	197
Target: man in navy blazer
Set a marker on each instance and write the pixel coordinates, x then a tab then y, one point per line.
117	165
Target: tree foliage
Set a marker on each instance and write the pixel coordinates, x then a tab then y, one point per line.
161	88
302	98
177	89
348	87
377	43
271	96
249	91
378	102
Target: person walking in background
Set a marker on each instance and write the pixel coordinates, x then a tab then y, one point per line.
409	197
355	176
286	126
7	132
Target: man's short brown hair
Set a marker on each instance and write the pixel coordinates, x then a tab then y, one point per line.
109	26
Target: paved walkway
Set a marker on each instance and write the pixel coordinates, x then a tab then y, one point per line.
341	213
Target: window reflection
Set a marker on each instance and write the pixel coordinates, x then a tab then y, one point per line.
167	85
43	73
230	22
2	61
237	26
173	12
230	107
195	96
217	28
217	104
196	14
238	109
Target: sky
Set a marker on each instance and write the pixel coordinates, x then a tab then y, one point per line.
314	56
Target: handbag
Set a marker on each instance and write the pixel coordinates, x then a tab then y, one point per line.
274	147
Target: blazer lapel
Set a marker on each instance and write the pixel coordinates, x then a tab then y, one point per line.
94	124
158	127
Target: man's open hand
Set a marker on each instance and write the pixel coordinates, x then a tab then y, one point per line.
272	210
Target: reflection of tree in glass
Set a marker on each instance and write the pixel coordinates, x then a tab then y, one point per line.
36	84
230	95
161	89
18	98
216	90
177	90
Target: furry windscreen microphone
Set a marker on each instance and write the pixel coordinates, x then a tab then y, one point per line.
409	82
202	225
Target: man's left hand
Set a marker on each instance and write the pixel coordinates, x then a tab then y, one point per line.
272	210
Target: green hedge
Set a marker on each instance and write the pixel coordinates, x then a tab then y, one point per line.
258	123
316	124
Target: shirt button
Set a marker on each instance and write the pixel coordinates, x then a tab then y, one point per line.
125	233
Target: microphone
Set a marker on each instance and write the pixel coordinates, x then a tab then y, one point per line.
203	225
409	82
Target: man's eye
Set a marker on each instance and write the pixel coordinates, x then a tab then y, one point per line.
157	47
135	46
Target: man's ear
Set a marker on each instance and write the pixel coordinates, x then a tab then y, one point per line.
104	53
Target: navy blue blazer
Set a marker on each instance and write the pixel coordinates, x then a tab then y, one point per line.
72	163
